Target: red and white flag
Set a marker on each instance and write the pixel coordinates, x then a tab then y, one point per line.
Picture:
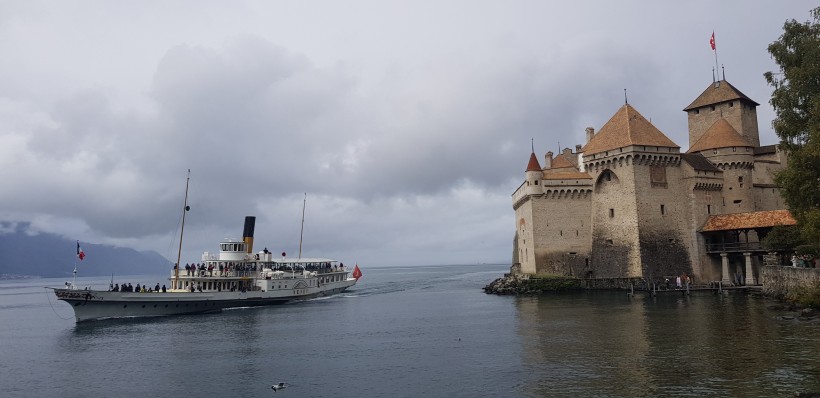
80	253
357	273
712	40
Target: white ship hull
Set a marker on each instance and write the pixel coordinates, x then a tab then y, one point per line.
94	304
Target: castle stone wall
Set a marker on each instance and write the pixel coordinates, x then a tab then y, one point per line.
615	240
779	281
662	213
563	231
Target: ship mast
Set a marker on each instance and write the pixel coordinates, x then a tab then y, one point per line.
302	231
182	231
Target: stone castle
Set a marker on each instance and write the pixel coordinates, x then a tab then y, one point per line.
629	204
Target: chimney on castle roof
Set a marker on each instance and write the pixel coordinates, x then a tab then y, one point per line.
590	133
578	148
548	160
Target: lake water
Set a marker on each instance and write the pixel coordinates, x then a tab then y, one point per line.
411	332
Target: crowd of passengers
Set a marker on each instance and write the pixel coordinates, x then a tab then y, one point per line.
224	269
137	289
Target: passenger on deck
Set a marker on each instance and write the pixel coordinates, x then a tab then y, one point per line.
143	288
187	269
163	288
156	288
192	288
116	287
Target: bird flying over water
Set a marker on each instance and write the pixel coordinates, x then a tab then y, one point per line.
278	386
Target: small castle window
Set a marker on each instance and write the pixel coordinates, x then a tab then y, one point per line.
611	213
708	209
737	201
714	151
713	108
609	241
697	111
731	104
734	149
663	210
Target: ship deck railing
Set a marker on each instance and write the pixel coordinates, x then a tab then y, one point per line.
288	273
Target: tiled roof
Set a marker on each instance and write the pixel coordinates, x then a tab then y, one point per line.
698	162
757	219
715	95
566	175
720	135
563	169
561	162
626	127
533	164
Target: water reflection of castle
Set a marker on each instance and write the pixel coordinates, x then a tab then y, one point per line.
629	204
604	344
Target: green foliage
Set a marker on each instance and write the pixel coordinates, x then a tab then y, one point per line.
807	297
796	101
783	239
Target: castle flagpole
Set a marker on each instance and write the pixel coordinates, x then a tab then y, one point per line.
714	49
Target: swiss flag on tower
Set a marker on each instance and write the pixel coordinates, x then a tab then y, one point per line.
712	40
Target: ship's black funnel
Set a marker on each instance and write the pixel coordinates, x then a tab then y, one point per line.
247	235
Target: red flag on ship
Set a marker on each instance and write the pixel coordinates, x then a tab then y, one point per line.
712	40
80	253
357	273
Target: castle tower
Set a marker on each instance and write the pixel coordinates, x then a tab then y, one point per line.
732	153
638	217
533	175
524	200
721	100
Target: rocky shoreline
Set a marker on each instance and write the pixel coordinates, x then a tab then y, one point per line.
514	285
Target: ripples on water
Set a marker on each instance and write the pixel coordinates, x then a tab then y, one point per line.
409	332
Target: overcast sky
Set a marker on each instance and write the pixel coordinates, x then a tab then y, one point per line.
407	123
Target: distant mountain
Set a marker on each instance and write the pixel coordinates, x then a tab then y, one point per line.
49	255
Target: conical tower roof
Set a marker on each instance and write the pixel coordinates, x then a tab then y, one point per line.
720	135
716	93
627	127
533	165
